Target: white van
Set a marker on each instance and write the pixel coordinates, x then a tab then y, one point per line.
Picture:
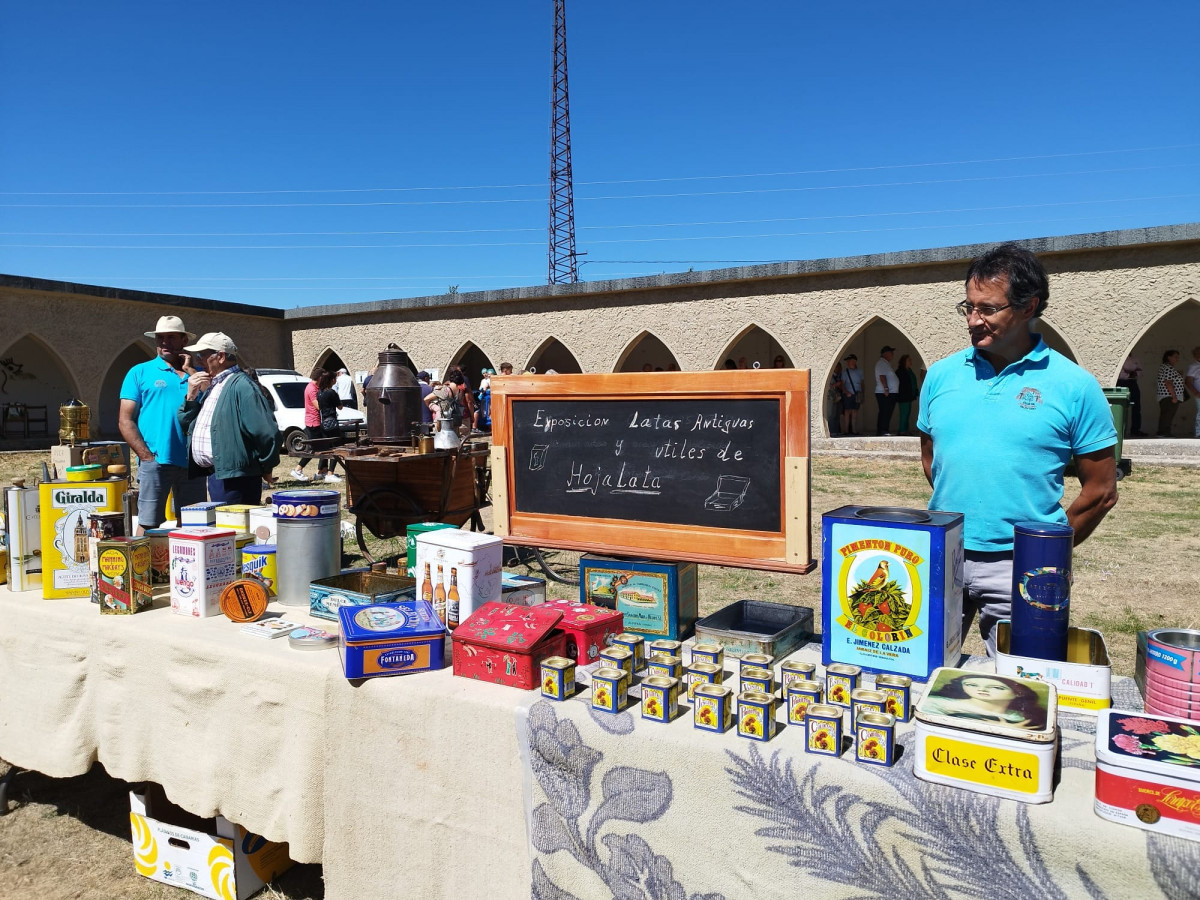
286	387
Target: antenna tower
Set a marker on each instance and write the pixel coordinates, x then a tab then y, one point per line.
563	267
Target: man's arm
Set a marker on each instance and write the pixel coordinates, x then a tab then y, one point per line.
927	456
1098	491
127	420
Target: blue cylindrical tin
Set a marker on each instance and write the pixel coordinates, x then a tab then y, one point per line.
1041	589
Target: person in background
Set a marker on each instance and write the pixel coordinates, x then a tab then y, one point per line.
1192	380
328	404
779	363
232	436
999	422
426	388
852	386
312	427
483	401
886	388
1130	371
906	393
506	368
344	385
1170	391
150	397
835	401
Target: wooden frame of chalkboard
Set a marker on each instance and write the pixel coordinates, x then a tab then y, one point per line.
711	467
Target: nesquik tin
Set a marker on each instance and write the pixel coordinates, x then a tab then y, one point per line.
823	729
756	715
712	654
841	681
712	707
875	738
800	695
898	690
608	689
558	677
703	673
635	644
660	698
665	666
761	681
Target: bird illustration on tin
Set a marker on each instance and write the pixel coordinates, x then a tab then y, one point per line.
881	575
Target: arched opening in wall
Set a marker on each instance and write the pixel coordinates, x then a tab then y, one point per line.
867	345
646	353
1054	340
329	361
554	354
34	383
754	348
472	361
1177	329
104	419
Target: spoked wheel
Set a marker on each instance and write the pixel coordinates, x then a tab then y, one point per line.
561	566
388	508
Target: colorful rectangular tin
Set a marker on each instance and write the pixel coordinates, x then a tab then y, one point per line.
609	689
328	595
703	673
618	658
761	681
506	644
756	716
898	690
203	563
102	526
390	639
1084	680
665	666
202	514
659	599
160	555
589	629
865	700
123	575
660	698
800	695
841	681
664	647
65	507
635	644
558	677
755	661
712	707
823	730
875	739
795	670
712	654
892	590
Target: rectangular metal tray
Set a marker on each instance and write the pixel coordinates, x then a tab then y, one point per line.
757	626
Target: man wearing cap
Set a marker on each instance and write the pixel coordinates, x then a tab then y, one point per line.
851	393
150	396
344	385
887	387
231	430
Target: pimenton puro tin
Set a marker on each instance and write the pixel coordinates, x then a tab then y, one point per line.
618	658
712	707
800	695
609	689
665	648
754	661
660	698
703	673
635	644
823	729
987	733
840	682
558	677
756	715
875	738
898	690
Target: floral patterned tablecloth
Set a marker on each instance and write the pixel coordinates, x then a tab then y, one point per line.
636	810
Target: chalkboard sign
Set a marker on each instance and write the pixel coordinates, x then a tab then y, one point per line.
705	466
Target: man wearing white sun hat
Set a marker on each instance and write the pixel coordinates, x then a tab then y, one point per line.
150	396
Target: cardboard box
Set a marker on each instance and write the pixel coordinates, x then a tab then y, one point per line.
411	535
506	644
588	628
102	453
65	507
522	590
1084	681
203	563
658	599
210	857
327	595
473	560
390	639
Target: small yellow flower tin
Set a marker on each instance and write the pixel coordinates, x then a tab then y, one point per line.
617	657
665	666
823	730
665	648
703	673
608	689
712	654
865	700
558	677
755	661
756	715
898	689
794	670
759	681
840	682
800	695
635	644
660	698
875	739
711	710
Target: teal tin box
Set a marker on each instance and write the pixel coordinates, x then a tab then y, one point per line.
357	588
891	589
658	599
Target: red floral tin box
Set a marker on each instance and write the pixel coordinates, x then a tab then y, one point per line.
506	644
588	628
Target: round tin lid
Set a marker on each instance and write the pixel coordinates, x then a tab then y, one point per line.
308	638
245	600
1044	529
310	504
257	548
1172	638
893	514
986	703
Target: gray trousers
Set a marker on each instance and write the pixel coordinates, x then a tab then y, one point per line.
987	591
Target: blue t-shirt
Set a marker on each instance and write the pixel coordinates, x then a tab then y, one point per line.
1001	442
159	392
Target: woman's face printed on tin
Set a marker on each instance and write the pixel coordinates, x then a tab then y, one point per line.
991	689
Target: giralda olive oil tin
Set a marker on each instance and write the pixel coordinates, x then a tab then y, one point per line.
65	507
892	590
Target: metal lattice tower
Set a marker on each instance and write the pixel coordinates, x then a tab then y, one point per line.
563	266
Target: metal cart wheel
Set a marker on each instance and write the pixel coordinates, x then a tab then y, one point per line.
385	503
561	566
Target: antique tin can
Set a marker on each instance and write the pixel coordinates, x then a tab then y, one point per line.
823	729
755	661
660	698
875	738
795	670
1041	589
65	508
390	639
259	560
244	600
472	563
800	695
235	516
558	677
866	700
123	575
761	681
22	529
589	629
898	690
327	595
202	514
756	715
891	589
89	472
1084	680
659	599
262	524
309	541
840	682
618	658
703	673
609	689
160	555
102	526
665	648
506	644
410	542
635	644
712	654
665	666
712	707
202	564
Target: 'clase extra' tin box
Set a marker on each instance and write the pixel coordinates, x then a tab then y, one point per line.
390	639
506	644
588	628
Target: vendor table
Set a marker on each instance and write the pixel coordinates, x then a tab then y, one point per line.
433	786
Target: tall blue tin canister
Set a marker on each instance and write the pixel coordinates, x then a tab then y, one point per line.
1041	589
891	589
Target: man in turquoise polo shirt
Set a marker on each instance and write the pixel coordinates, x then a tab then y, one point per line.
1000	421
151	394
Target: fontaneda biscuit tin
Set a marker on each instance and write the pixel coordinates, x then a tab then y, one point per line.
390	639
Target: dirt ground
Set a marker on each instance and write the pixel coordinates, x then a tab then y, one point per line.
69	838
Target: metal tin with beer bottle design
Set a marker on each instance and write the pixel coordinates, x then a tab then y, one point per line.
823	730
841	681
800	695
712	707
703	673
660	698
609	689
558	677
898	689
756	715
875	738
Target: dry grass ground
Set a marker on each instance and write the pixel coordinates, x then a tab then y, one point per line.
69	838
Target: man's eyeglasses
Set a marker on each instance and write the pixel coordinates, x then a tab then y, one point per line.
965	309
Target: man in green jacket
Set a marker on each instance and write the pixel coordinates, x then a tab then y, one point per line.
231	432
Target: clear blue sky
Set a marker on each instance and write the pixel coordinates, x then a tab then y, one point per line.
291	154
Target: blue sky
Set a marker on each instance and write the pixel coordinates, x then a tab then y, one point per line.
303	153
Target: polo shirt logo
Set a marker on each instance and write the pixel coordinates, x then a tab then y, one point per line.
1029	398
160	383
